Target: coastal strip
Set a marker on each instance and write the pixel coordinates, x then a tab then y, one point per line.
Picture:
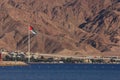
12	63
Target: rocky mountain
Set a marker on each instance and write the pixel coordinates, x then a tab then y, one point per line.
77	27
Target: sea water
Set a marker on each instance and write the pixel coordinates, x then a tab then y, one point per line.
61	72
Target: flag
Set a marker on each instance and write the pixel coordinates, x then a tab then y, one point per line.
32	30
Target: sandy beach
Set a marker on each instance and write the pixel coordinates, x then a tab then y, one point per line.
12	63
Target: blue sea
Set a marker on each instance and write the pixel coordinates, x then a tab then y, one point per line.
61	72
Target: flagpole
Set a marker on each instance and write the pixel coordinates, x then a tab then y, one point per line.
30	29
28	45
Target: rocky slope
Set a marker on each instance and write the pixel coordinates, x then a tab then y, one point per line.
62	26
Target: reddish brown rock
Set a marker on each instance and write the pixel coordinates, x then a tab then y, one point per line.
87	26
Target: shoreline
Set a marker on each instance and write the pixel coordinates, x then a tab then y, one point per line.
20	63
67	63
12	63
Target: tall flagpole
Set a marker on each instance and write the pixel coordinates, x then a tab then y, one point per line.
28	45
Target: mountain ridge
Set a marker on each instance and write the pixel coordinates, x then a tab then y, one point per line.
88	27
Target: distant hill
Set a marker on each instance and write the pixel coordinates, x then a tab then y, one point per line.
81	27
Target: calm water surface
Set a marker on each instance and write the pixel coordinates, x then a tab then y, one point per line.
61	72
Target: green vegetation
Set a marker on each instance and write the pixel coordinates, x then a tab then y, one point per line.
44	59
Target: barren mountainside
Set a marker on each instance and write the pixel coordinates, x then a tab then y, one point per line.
78	27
